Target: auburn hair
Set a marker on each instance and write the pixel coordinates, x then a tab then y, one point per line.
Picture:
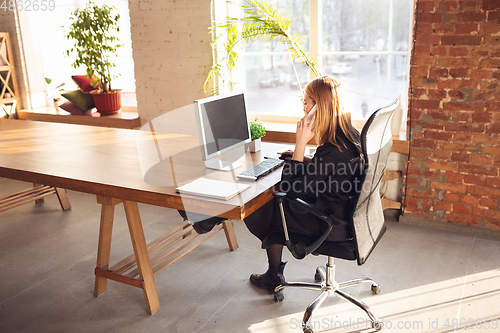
330	114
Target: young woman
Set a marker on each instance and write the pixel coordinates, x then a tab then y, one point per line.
328	179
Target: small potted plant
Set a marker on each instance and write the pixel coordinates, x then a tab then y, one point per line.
93	30
54	93
257	131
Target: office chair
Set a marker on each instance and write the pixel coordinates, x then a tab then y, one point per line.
366	221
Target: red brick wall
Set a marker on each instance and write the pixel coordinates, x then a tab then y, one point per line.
454	114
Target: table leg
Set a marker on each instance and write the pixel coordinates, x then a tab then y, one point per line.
104	246
61	195
63	198
230	235
39	200
141	256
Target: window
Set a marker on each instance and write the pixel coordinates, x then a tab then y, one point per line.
43	36
363	43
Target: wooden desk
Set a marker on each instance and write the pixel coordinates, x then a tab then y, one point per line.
123	166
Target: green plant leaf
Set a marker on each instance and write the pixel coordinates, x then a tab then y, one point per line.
261	20
93	30
257	130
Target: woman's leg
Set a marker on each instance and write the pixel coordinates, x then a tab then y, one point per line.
260	224
274	253
273	277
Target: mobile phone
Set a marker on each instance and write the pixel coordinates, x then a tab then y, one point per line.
310	114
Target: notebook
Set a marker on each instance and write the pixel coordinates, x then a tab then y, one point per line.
217	189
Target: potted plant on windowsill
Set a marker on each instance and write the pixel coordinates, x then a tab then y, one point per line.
54	93
93	30
260	20
257	131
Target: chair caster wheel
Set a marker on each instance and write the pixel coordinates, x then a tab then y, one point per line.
375	289
278	296
317	277
377	325
306	328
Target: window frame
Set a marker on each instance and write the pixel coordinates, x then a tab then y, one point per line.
315	7
34	69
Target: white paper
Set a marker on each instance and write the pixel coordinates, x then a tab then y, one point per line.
213	188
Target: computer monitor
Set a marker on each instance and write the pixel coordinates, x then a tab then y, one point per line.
222	126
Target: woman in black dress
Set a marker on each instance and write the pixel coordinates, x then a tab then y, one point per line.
328	179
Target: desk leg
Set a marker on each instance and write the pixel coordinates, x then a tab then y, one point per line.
61	195
104	246
230	235
39	200
63	198
141	256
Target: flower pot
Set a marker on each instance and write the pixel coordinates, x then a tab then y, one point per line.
107	103
254	146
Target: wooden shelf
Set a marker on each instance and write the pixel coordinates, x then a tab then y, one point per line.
8	100
9	79
126	118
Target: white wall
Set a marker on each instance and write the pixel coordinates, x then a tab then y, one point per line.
171	51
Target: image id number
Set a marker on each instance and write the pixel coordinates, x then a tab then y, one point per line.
28	5
467	324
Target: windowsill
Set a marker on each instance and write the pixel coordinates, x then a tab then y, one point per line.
284	132
127	118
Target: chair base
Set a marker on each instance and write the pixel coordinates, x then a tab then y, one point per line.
327	285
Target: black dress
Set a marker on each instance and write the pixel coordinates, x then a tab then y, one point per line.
329	181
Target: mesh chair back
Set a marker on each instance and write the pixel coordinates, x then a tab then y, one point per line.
368	217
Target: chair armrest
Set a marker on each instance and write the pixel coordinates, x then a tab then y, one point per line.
300	250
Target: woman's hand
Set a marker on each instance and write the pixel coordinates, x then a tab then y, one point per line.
303	134
304	131
287	152
307	158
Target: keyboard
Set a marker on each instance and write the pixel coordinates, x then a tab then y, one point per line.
261	169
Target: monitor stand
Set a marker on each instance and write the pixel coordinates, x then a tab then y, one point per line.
217	164
226	161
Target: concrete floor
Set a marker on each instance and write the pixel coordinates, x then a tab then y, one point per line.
430	279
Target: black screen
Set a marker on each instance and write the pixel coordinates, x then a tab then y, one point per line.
224	122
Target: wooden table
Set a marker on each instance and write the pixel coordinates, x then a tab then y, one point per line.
128	166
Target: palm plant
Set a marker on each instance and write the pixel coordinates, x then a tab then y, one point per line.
260	20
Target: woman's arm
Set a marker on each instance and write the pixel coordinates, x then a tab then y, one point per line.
303	134
299	178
